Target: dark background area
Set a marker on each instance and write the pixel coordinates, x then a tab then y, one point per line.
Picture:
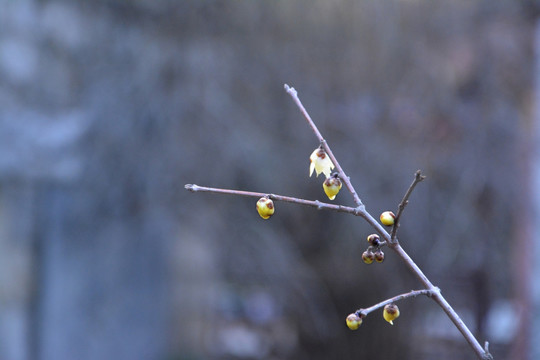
108	108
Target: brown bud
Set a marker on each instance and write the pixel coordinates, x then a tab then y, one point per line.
379	256
374	240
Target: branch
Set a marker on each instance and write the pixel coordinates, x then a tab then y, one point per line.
417	178
391	239
346	180
441	301
413	293
319	205
360	210
316	203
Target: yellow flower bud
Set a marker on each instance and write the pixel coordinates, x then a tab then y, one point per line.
368	256
390	313
387	218
353	321
331	186
320	162
265	207
379	256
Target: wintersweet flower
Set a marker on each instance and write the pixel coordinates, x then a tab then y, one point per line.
353	321
320	162
331	186
388	218
265	207
390	313
379	256
368	256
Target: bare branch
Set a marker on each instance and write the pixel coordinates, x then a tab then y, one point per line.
313	203
441	301
412	293
417	178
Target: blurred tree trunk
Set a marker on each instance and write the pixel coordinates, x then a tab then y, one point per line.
99	283
522	262
531	250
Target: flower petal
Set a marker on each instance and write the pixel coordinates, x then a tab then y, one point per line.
320	162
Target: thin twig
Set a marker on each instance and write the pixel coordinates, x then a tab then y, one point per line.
412	293
313	203
319	205
488	355
346	180
417	178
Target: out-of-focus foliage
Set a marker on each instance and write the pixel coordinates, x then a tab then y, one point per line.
107	108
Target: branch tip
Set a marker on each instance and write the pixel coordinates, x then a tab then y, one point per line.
487	354
290	90
191	187
293	93
418	177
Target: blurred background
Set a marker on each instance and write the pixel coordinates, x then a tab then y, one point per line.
108	107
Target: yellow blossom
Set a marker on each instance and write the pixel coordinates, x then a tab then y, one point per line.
353	321
368	256
265	207
379	256
390	313
320	162
331	186
388	218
